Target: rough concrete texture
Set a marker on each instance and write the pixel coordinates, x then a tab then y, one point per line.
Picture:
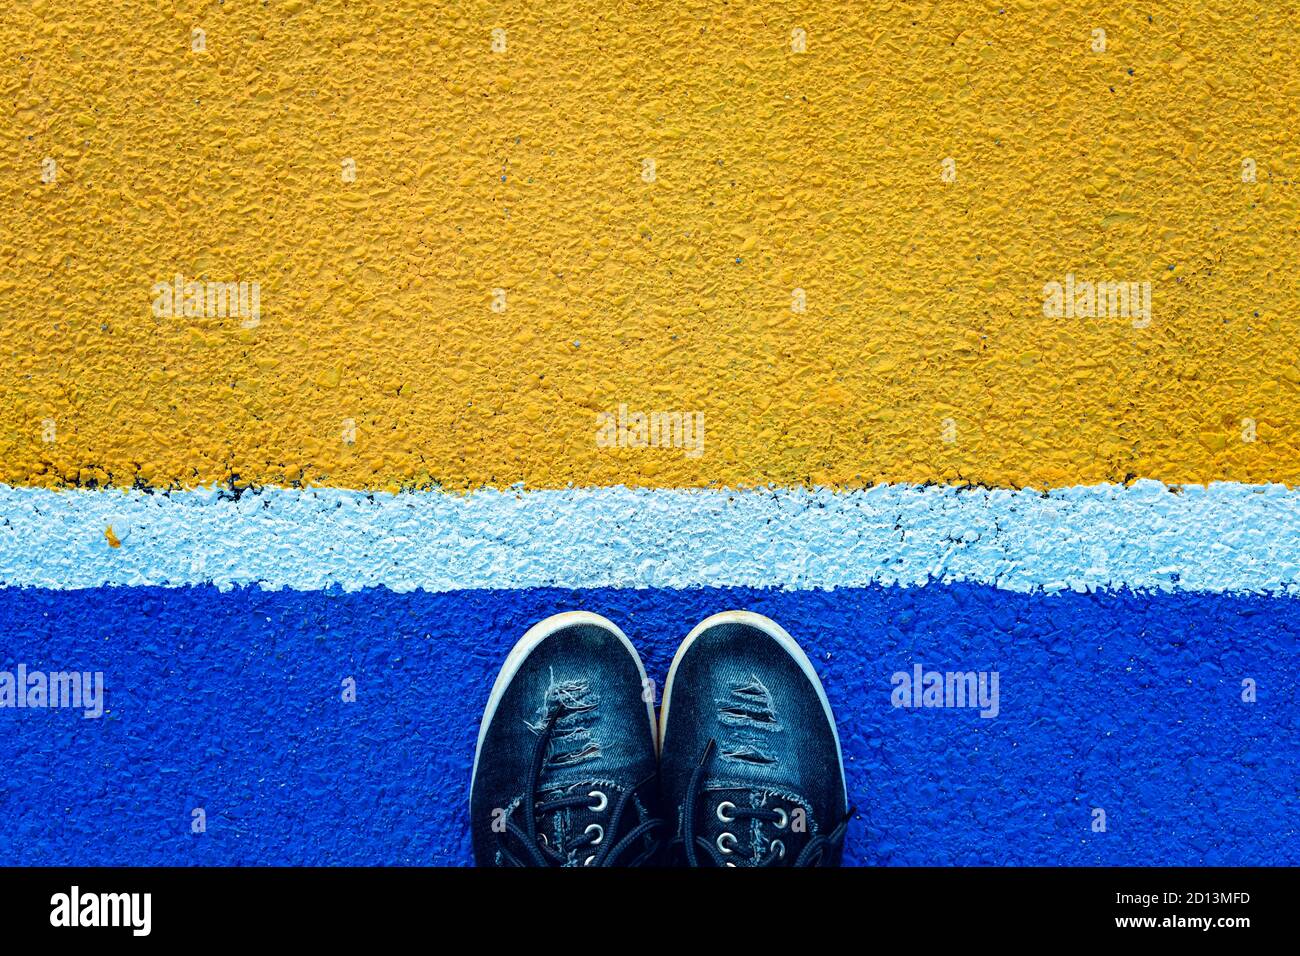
232	702
836	253
1227	537
524	170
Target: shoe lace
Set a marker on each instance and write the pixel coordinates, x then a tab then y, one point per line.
532	846
817	851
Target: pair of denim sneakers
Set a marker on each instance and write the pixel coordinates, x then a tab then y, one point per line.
743	769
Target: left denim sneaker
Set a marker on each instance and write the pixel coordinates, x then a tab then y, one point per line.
564	771
749	755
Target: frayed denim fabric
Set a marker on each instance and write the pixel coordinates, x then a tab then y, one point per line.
750	766
565	769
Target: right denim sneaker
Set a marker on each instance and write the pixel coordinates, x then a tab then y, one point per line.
749	755
564	771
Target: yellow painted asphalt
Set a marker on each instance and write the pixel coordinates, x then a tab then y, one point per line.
824	232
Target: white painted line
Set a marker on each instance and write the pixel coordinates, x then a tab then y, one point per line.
1225	537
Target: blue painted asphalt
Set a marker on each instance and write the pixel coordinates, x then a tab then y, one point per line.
231	702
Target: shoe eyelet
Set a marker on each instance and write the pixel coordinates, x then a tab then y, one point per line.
722	842
722	816
783	818
732	865
602	801
779	847
587	861
600	833
542	837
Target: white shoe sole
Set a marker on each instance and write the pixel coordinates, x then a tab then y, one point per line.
791	647
525	645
